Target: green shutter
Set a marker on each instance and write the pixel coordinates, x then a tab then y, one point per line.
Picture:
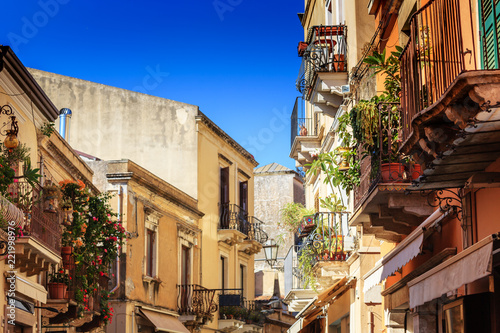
489	15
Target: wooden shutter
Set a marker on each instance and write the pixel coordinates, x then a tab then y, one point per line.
489	15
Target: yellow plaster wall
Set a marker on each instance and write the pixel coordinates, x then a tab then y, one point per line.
210	146
168	264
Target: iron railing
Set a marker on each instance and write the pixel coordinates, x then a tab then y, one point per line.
193	299
326	242
302	126
326	51
256	231
294	278
246	310
441	46
42	224
384	163
91	303
233	217
236	218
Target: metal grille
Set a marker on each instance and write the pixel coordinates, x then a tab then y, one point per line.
441	46
326	52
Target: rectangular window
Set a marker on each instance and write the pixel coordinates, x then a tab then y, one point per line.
185	266
243	278
224	272
244	195
467	220
224	198
454	317
489	13
150	253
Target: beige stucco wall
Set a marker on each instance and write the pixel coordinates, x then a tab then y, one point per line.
59	163
360	29
113	123
136	200
210	146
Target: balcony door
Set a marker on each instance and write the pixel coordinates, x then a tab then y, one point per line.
185	277
243	214
224	198
489	12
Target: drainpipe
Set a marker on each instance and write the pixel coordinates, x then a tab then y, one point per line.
64	117
119	211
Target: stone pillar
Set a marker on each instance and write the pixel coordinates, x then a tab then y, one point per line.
425	318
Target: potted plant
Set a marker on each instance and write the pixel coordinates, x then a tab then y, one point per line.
51	197
58	284
376	122
67	258
303	130
67	212
292	215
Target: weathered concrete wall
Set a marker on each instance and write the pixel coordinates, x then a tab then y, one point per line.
112	123
272	191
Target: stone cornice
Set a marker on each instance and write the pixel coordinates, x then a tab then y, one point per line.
224	136
132	171
50	147
10	62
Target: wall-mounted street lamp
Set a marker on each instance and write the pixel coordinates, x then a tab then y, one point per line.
271	253
11	140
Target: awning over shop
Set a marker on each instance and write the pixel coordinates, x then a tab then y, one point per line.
164	322
372	278
313	309
31	289
466	267
405	251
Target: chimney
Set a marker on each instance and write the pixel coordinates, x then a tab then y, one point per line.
64	117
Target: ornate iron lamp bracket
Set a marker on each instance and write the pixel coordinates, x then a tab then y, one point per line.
3	248
447	201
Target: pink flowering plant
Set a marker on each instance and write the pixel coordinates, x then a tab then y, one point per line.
96	236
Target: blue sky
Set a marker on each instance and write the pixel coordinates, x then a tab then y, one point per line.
235	59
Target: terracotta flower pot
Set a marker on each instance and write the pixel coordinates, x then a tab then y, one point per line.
392	172
416	171
339	63
67	258
301	48
57	290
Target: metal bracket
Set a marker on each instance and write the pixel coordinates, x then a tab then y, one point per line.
447	201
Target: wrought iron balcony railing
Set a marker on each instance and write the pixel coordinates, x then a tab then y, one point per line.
233	217
294	278
41	224
441	46
256	231
232	305
92	303
236	218
193	299
327	240
326	51
302	127
382	163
